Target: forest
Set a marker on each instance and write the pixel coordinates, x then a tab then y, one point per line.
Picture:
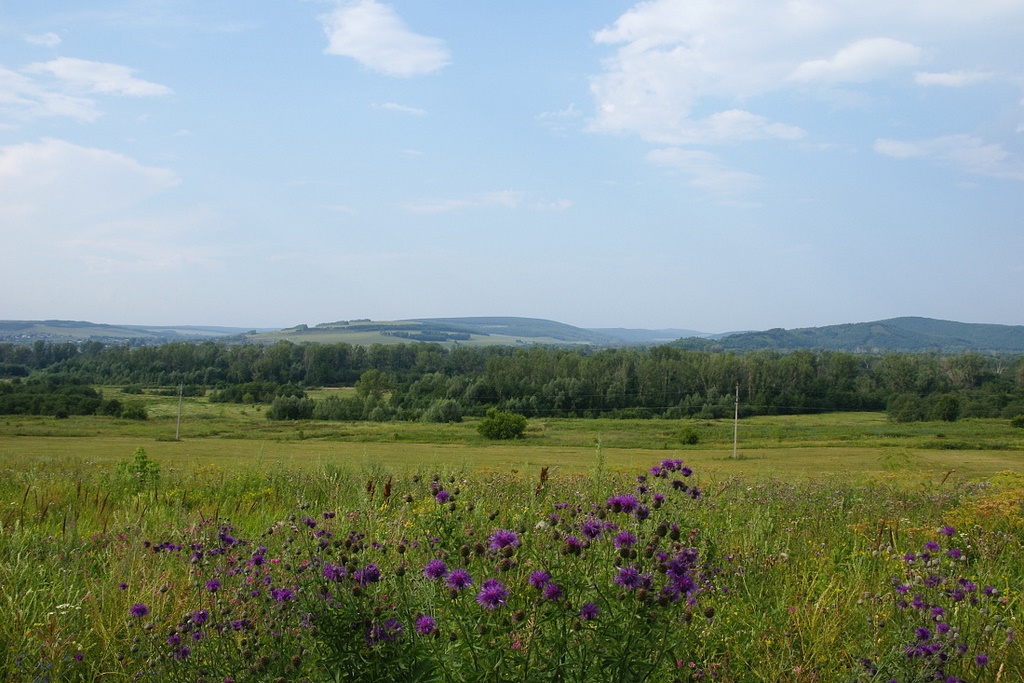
424	381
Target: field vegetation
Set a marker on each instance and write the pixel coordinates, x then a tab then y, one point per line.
245	543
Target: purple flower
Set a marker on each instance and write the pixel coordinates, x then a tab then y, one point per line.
240	624
539	579
442	497
213	585
138	610
628	577
458	579
624	540
368	574
388	633
589	611
931	546
122	586
592	528
981	660
552	591
955	553
947	530
282	594
79	656
923	634
334	572
200	617
503	538
623	503
426	625
435	569
492	594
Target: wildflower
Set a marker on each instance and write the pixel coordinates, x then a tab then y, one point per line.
435	569
334	572
981	660
552	591
931	546
200	617
955	553
539	579
628	577
282	594
458	579
79	656
572	546
122	586
442	497
947	530
589	611
923	634
138	610
492	594
426	625
368	574
623	503
503	538
592	528
213	585
624	540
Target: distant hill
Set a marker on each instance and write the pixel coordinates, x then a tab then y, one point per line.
914	335
626	335
27	331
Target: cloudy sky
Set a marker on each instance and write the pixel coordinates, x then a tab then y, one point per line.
705	164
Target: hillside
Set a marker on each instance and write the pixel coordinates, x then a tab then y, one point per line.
910	334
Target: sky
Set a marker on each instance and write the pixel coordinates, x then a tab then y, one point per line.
711	165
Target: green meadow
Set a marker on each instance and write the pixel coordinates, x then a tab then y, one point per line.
835	547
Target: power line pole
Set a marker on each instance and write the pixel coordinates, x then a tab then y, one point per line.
736	424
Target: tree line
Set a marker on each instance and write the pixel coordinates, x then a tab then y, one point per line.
429	381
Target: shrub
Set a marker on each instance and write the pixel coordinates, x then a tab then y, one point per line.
134	411
443	410
1017	421
290	408
499	424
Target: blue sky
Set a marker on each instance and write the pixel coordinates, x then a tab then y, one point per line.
704	164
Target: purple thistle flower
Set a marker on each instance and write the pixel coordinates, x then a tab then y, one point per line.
458	579
79	656
334	572
122	586
539	579
628	577
435	569
981	660
552	591
624	540
200	617
685	471
947	530
213	585
240	624
955	553
368	574
592	528
282	594
492	594
138	610
931	546
923	634
503	538
388	633
426	625
589	611
442	497
623	503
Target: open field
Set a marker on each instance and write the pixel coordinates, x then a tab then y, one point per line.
834	548
231	436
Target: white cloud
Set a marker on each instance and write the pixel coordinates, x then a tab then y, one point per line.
863	60
375	36
49	39
952	79
99	77
61	185
706	168
403	109
23	98
968	153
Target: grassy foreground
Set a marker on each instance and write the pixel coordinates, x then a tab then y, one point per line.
836	548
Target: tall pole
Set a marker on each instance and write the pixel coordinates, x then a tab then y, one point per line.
177	426
736	423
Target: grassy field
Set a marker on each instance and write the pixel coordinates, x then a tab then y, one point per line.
836	547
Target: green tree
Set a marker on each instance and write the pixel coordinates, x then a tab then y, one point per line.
946	408
499	424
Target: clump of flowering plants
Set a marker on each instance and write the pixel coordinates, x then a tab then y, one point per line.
949	628
603	591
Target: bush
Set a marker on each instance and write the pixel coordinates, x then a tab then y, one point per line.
1017	421
499	424
689	436
134	411
290	408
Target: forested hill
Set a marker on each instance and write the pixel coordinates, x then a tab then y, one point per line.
911	335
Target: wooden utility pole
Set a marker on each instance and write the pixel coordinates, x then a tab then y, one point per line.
736	424
177	426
